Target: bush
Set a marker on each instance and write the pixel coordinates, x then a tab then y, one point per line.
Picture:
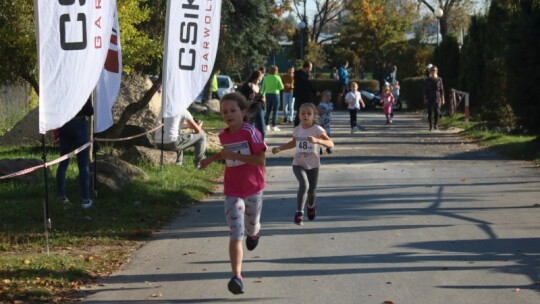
412	90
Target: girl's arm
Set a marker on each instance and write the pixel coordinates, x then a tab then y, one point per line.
257	159
324	140
207	161
291	144
363	105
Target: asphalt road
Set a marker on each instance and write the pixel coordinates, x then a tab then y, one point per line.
404	215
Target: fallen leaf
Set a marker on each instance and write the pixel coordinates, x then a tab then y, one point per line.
26	262
257	281
156	295
388	302
204	269
388	283
517	290
463	179
256	257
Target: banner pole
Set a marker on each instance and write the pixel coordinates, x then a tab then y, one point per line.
162	136
94	154
47	218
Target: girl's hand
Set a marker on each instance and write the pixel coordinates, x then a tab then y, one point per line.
275	150
227	154
313	139
205	163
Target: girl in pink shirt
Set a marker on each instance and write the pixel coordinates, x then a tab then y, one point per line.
307	138
243	152
388	100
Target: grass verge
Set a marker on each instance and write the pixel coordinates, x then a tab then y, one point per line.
85	244
521	147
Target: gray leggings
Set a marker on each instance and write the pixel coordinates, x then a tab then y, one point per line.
308	184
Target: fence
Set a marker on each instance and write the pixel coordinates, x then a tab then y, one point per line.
456	98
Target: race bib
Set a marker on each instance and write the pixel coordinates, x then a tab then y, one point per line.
239	148
303	145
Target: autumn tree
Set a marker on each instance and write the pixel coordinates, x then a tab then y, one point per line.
455	13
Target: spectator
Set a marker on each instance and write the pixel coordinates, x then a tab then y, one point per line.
303	90
271	87
72	135
343	75
252	92
288	98
433	96
176	140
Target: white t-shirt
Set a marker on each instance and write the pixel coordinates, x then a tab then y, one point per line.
307	153
173	127
355	97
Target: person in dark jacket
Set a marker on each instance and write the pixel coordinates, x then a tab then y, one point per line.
433	96
71	136
303	91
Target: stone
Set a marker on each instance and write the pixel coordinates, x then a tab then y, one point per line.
136	154
116	174
8	166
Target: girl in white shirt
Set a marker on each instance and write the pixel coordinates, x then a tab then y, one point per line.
306	140
353	99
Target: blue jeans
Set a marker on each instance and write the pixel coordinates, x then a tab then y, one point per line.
272	106
72	135
288	106
258	121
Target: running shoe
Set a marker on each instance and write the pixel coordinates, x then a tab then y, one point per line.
236	286
298	218
87	203
311	212
276	129
328	150
252	241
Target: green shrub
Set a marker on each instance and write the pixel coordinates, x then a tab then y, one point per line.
412	90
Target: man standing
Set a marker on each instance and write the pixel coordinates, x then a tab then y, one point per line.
302	89
176	140
288	99
343	75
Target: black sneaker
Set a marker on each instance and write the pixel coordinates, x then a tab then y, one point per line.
236	286
252	241
311	212
298	218
328	150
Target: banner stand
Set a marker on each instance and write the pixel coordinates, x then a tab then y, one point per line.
93	149
162	136
46	215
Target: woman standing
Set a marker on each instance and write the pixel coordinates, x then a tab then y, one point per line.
433	96
271	87
252	92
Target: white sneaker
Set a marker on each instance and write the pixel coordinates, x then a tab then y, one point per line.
87	203
268	128
276	129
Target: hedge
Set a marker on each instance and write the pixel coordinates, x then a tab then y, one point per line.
412	90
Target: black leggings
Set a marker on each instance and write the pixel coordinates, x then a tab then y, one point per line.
432	110
307	180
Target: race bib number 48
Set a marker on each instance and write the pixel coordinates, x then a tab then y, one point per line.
303	145
239	148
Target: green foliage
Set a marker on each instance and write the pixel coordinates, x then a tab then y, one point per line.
446	58
141	34
245	39
18	55
499	65
412	90
472	64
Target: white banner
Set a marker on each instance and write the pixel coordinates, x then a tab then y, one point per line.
109	82
73	39
191	42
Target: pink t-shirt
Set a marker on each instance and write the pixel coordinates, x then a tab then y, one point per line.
242	179
306	153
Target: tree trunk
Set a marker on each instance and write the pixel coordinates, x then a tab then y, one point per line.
132	109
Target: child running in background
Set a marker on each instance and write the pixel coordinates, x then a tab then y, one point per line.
388	100
353	99
243	152
325	114
306	140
